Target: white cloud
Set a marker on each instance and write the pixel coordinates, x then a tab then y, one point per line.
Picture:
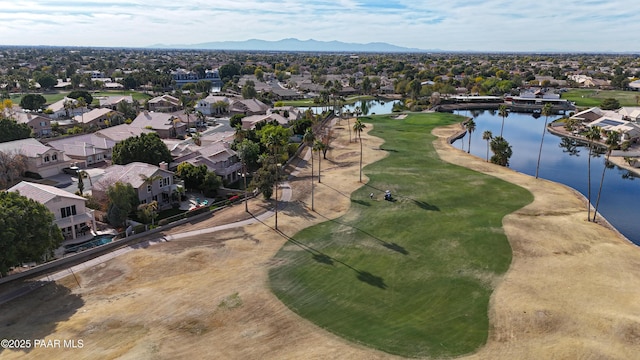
489	25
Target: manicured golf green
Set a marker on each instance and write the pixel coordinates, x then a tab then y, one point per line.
594	97
413	276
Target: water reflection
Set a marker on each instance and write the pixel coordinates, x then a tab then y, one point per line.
563	160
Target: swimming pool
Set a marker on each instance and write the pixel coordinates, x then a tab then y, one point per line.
96	241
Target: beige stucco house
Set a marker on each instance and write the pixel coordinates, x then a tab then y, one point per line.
70	211
41	159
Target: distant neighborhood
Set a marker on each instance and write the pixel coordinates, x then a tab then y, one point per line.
167	124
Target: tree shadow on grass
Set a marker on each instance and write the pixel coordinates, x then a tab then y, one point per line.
391	246
371	279
36	315
323	258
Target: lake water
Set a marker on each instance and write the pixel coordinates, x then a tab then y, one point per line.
368	107
523	132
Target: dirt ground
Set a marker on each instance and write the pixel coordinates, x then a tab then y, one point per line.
572	290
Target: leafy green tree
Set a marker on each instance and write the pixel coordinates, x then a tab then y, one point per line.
88	98
249	153
613	142
146	148
236	120
123	199
210	184
547	110
274	137
192	175
487	135
502	151
32	102
46	80
249	90
11	130
27	231
610	104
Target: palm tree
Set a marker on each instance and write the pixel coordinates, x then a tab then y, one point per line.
197	138
319	146
149	210
487	135
188	111
593	134
82	175
503	112
547	110
81	104
358	127
471	127
309	138
612	142
501	151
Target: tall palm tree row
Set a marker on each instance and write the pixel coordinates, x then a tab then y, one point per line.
358	127
487	135
309	138
593	135
319	146
547	110
503	112
471	127
613	142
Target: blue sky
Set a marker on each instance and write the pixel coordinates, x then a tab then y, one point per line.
453	25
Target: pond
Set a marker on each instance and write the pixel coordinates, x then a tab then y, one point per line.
562	161
368	107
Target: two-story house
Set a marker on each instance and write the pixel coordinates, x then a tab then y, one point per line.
70	211
41	159
86	149
213	105
151	182
217	157
164	103
40	125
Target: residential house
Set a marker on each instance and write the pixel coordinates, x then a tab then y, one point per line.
40	125
164	103
166	125
292	113
112	102
249	122
41	159
285	94
630	113
65	108
248	107
70	211
85	150
217	157
121	132
138	175
213	105
629	131
95	118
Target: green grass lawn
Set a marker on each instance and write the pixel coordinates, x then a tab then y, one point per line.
411	277
309	102
594	97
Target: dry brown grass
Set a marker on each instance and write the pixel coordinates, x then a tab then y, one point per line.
572	290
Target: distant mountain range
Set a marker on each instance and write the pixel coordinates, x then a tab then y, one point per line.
294	45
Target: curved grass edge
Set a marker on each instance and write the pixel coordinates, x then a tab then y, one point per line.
346	278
